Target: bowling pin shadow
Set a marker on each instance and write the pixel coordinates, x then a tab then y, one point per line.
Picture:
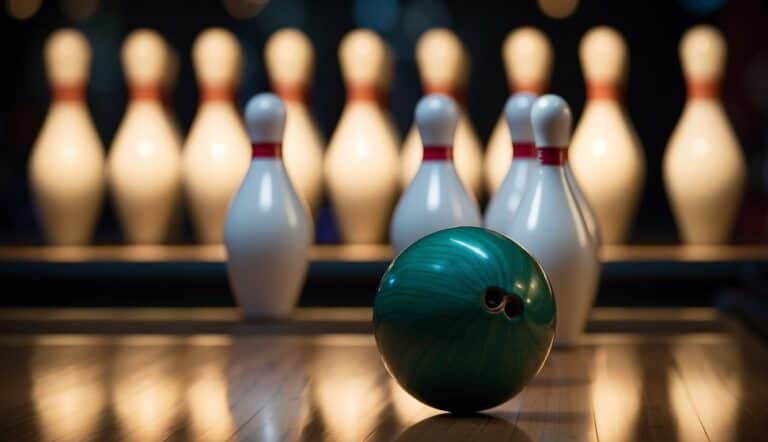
475	427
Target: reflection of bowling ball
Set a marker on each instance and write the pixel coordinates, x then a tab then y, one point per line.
464	318
477	428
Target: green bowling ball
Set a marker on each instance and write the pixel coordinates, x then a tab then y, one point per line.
464	318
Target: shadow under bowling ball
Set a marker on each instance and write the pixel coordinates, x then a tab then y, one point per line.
474	427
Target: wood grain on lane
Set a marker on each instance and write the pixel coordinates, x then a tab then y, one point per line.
309	386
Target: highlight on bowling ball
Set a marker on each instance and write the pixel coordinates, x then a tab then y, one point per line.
464	318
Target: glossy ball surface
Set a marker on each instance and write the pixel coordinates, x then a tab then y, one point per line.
464	318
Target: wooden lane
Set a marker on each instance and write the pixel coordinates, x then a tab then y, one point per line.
557	403
249	386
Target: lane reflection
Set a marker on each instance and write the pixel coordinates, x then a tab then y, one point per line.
207	403
713	394
408	409
268	393
349	389
616	393
479	428
272	388
68	391
147	397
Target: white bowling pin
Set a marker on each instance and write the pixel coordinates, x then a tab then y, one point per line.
606	155
436	199
444	67
528	59
704	170
215	155
290	62
361	165
586	210
66	167
144	160
504	203
267	231
549	223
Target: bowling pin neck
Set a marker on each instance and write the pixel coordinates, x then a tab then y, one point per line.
295	93
454	92
553	156
210	93
146	92
438	153
435	174
362	93
523	149
528	57
266	151
703	90
68	94
603	91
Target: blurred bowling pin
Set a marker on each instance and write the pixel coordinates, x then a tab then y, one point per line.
704	170
606	155
267	231
505	202
216	150
66	168
436	199
527	56
144	161
549	223
290	61
444	67
361	166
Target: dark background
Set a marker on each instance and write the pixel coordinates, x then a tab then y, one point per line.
654	95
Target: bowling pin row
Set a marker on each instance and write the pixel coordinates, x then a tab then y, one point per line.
363	172
538	203
268	231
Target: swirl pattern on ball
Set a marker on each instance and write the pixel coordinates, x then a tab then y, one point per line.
464	318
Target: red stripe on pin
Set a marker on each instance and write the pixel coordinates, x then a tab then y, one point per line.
291	92
437	153
703	90
216	93
149	92
553	156
69	93
362	92
523	150
266	150
456	94
603	91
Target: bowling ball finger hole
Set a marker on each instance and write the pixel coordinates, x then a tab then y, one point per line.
493	299
513	306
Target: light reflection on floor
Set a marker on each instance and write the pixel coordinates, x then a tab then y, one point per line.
334	387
